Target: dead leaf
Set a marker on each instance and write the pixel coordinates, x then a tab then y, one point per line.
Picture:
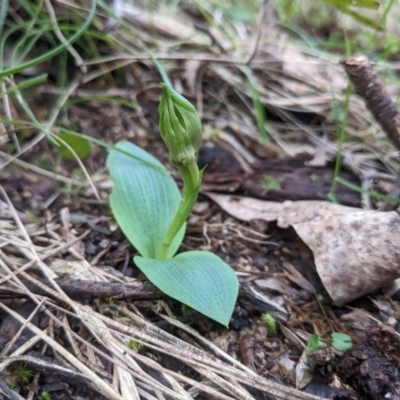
304	370
296	277
320	155
292	338
303	73
191	69
246	208
286	367
277	285
167	25
355	251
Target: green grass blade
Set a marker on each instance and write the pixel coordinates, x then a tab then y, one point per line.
37	80
55	51
157	166
3	14
111	99
258	107
371	193
30	114
342	138
344	8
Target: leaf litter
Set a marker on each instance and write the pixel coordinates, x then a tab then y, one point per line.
90	336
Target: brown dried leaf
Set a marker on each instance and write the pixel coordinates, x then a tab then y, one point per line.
191	69
296	277
355	251
277	285
246	208
167	25
304	370
386	342
286	367
360	321
303	73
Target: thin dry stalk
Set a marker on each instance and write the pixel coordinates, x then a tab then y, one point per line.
370	88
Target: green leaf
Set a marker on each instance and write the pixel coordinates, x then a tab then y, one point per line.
54	51
270	183
359	189
313	344
110	147
343	6
143	200
79	144
198	279
372	4
341	341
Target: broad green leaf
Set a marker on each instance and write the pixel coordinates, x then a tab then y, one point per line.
143	200
341	341
198	279
79	144
313	344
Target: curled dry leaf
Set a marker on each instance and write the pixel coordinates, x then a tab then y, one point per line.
355	251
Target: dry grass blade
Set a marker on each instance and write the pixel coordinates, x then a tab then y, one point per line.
97	383
110	335
113	336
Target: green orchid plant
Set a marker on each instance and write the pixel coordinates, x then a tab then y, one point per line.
151	211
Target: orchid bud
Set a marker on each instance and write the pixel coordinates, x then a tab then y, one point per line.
180	127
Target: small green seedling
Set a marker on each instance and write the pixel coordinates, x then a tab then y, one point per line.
270	183
23	372
152	213
10	384
45	395
340	341
135	346
313	344
270	321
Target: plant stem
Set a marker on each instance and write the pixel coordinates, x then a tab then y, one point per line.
342	137
191	177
